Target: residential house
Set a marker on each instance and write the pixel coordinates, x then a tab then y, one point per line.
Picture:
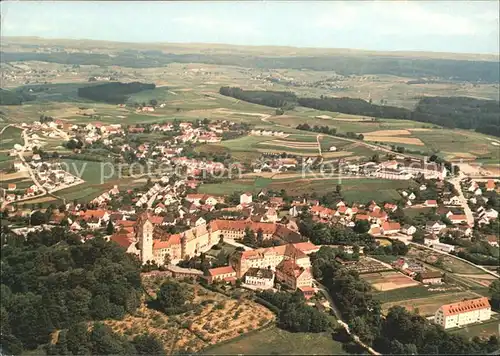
490	185
434	227
408	230
390	228
260	277
457	218
492	240
390	207
246	198
226	274
431	203
454	200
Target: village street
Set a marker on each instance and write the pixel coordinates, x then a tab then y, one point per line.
463	201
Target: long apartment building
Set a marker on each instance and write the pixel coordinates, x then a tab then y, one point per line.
463	313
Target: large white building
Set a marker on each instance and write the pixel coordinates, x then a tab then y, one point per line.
463	313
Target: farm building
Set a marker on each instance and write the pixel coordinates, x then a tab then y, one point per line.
430	277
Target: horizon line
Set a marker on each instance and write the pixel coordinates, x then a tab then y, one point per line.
493	55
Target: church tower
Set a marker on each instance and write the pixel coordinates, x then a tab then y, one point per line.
144	234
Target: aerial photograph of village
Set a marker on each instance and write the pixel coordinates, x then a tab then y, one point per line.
249	178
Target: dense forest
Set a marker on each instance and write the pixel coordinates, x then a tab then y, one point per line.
8	97
400	332
53	281
113	93
452	112
448	69
275	99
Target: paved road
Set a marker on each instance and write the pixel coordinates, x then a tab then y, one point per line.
3	129
463	201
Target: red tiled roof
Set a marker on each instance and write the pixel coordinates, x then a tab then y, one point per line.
93	213
490	184
390	226
124	240
220	270
362	217
457	217
305	246
465	306
125	223
172	240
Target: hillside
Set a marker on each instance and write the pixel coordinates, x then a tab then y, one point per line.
451	112
343	64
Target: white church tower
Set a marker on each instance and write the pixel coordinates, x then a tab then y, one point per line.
145	236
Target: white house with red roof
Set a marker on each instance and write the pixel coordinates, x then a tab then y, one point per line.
463	313
431	203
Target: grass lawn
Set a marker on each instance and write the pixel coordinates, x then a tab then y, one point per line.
428	305
353	190
404	293
492	327
279	342
91	172
10	137
228	187
227	248
453	143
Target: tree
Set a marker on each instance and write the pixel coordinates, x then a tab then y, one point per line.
147	344
171	295
399	248
418	236
153	102
110	229
362	226
338	188
249	237
167	260
38	218
495	294
260	237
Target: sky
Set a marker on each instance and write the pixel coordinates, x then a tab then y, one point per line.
439	26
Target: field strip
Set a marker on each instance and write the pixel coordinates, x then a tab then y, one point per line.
389	133
395	139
